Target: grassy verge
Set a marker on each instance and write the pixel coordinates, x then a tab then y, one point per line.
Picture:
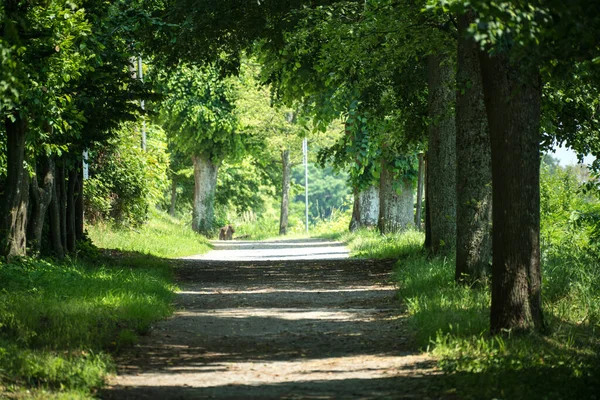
162	236
452	322
61	322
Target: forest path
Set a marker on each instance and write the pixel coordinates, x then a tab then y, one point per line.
292	319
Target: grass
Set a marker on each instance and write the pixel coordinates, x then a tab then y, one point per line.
371	244
162	236
452	322
62	322
267	226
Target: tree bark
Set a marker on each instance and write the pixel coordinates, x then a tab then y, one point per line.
13	228
419	207
512	94
395	207
365	213
55	216
474	171
71	185
427	243
205	183
40	201
355	220
61	186
79	206
441	155
173	197
285	192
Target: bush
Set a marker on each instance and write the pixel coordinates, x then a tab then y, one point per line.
124	180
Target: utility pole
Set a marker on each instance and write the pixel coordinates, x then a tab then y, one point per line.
142	104
305	156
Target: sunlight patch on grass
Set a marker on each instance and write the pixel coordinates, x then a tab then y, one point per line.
369	243
162	236
59	321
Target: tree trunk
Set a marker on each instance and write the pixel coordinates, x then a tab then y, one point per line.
513	103
474	171
395	209
61	183
40	201
173	197
285	192
79	206
427	243
441	155
13	229
55	216
205	183
71	187
366	208
355	220
419	210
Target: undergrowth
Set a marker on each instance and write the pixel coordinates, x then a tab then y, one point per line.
61	322
452	321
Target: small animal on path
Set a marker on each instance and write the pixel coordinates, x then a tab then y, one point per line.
226	233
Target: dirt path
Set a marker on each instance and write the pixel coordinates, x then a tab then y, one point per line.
287	319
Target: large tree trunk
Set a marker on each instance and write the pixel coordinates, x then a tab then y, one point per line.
420	179
474	171
71	188
205	183
55	217
285	192
441	154
513	102
395	207
41	196
365	213
13	228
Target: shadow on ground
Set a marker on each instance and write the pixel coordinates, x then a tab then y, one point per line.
279	329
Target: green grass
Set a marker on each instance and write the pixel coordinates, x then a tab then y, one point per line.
452	322
60	321
161	236
267	226
371	244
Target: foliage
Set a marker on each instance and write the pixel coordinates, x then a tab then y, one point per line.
59	320
452	320
327	191
198	112
126	181
162	236
242	186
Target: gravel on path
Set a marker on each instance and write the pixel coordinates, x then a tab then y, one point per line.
268	321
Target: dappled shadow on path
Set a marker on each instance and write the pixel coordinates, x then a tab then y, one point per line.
403	387
281	329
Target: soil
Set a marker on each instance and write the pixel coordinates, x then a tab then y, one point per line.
291	319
